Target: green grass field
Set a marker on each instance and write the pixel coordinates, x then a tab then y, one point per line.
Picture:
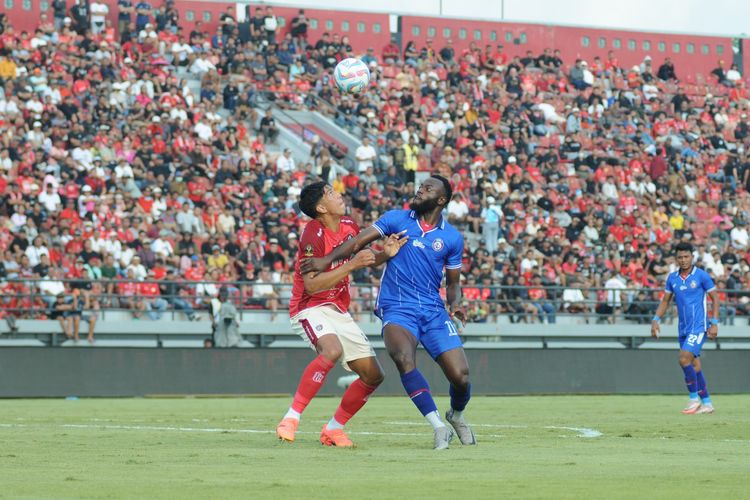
529	447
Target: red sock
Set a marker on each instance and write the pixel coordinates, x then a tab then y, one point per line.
354	398
310	383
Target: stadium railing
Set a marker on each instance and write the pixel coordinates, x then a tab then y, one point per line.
506	324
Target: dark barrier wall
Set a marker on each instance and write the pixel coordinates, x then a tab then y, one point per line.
43	372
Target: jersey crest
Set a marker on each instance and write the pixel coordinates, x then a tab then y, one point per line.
438	244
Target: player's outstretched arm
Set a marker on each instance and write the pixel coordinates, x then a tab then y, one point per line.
317	282
343	251
660	310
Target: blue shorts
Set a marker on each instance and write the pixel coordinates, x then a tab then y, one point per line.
433	329
692	343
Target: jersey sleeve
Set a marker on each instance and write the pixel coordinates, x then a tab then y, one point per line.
455	253
387	224
312	242
669	286
707	282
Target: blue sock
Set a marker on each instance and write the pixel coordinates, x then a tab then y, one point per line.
691	381
702	391
419	391
459	399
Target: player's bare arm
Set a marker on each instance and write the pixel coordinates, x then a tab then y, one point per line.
316	282
453	294
713	330
343	251
660	310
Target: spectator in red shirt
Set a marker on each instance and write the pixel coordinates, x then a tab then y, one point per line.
658	167
129	294
154	304
538	298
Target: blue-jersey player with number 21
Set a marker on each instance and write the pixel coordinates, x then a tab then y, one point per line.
410	306
689	286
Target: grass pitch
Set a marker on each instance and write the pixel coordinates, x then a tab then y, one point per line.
529	447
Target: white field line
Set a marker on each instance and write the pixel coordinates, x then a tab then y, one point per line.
582	432
206	429
496	426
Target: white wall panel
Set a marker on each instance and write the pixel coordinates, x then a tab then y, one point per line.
714	17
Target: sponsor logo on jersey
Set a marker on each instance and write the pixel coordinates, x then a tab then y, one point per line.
438	244
417	244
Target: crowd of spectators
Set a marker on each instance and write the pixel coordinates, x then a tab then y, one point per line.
568	175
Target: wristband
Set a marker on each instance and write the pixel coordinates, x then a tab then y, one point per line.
714	321
656	318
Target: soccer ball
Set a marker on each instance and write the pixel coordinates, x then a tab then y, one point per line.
347	380
351	75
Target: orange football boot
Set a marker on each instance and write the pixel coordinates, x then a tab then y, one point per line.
335	437
286	429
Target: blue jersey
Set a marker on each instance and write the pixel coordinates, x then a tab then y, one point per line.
690	297
413	277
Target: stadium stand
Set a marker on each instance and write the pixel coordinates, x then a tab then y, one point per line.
142	168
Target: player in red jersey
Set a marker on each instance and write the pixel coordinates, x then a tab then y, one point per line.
318	311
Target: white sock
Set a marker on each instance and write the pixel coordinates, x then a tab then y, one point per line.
434	419
292	414
458	415
334	424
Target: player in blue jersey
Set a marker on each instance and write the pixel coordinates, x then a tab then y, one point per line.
410	306
689	286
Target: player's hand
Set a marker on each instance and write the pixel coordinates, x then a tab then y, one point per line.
394	243
459	315
655	329
364	258
713	331
314	265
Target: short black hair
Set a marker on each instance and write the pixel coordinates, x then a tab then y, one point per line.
446	187
683	246
309	198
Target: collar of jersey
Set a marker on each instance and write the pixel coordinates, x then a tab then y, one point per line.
413	215
692	271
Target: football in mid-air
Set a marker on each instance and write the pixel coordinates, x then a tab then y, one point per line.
351	75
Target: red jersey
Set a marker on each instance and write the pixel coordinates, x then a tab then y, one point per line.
318	241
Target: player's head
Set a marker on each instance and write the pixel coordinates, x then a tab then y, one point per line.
319	198
684	255
433	193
